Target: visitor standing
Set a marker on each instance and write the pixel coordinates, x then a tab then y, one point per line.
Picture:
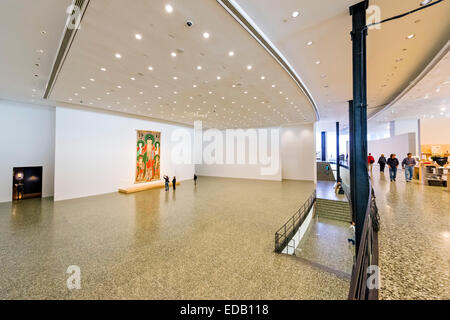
352	233
195	179
174	182
408	164
166	182
370	161
382	162
393	164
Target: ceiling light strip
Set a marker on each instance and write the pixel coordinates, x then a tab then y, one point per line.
413	83
240	16
64	47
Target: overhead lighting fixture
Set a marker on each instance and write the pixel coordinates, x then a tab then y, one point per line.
249	67
231	53
199	67
118	55
40	51
156	86
218	78
309	43
138	36
317	62
119	87
411	36
205	35
132	78
173	54
103	69
175	78
169	8
425	2
262	77
295	14
150	68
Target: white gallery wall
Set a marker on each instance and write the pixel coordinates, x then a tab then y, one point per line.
219	166
295	158
298	152
401	145
95	151
27	139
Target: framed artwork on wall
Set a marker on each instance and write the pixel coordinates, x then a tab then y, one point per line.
148	156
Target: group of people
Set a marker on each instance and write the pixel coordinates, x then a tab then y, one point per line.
174	182
392	162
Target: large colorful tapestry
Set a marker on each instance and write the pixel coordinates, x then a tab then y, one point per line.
148	156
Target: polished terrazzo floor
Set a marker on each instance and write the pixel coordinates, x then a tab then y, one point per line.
213	241
325	244
414	238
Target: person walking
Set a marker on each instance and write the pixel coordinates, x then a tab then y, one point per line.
393	164
174	182
166	182
195	179
382	162
408	164
370	161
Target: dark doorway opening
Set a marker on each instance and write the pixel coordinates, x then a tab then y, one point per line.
27	183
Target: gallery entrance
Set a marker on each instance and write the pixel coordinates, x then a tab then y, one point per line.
27	183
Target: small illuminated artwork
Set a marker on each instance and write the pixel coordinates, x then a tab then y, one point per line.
148	156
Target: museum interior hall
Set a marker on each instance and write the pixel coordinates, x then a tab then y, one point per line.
225	149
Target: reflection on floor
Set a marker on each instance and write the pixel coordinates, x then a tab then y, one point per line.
325	244
214	241
414	239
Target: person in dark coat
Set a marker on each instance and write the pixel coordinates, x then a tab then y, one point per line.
393	164
382	162
174	182
195	179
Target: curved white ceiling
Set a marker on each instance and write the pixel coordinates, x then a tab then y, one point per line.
393	60
224	93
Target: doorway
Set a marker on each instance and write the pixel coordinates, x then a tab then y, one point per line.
27	183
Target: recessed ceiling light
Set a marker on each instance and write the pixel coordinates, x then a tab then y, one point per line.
150	68
169	8
411	36
231	53
199	67
119	87
140	92
40	51
249	67
173	54
195	86
317	62
309	43
156	86
175	78
103	69
295	14
205	35
75	94
273	86
138	36
262	77
118	55
132	78
425	2
82	87
218	78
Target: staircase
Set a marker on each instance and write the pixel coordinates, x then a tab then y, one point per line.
333	209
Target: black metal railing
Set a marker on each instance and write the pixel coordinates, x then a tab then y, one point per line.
367	257
285	234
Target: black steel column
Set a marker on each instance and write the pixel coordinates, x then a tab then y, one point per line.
358	120
324	146
338	169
